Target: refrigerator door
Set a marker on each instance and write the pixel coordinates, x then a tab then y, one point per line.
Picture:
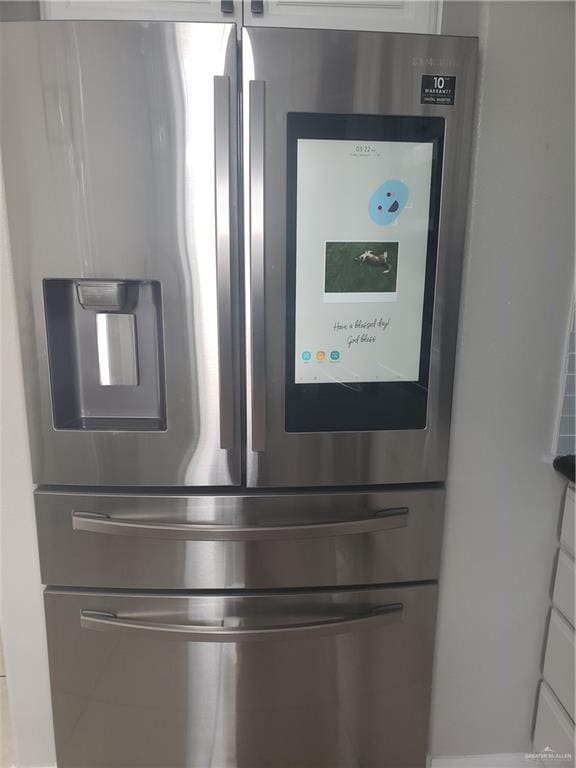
239	541
356	148
119	151
330	679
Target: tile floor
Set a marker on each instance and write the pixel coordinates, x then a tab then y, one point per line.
6	751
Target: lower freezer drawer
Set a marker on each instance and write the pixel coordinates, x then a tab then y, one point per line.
307	679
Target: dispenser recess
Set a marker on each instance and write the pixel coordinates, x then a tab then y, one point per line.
105	354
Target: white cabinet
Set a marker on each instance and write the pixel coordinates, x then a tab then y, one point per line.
563	596
173	10
554	732
372	15
567	532
559	660
553	736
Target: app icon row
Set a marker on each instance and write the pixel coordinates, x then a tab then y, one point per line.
320	355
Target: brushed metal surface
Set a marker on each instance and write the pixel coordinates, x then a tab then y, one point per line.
366	73
256	219
156	541
117	353
107	133
222	632
358	696
224	205
96	522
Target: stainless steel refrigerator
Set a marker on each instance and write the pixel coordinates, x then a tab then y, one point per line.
237	260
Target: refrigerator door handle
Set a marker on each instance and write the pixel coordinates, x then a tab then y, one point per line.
257	268
93	522
376	617
223	202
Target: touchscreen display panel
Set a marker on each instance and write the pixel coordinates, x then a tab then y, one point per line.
363	213
362	226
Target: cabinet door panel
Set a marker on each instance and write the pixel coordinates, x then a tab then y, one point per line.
140	10
559	660
374	16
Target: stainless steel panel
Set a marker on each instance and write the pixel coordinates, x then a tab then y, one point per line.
223	632
347	72
329	679
239	541
109	160
257	320
117	356
224	205
96	522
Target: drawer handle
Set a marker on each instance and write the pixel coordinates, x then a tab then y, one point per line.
93	522
110	622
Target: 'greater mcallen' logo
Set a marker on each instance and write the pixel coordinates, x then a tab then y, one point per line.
549	756
438	89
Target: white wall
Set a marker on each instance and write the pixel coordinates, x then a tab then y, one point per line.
21	609
503	499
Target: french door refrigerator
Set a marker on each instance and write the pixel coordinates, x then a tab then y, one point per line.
237	262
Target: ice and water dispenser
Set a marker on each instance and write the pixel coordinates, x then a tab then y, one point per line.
105	353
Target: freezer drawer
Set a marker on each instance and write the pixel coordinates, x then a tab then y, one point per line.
319	679
239	541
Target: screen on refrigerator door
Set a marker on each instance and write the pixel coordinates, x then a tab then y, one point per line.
361	236
362	215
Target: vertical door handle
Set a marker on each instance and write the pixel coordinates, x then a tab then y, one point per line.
257	271
223	202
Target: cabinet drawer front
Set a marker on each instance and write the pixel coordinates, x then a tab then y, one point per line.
239	541
563	596
567	531
554	729
322	678
559	661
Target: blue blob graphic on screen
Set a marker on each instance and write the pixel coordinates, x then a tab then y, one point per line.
388	202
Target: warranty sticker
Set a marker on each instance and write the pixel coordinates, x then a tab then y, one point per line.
438	89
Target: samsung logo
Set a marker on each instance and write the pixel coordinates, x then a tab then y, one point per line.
421	61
